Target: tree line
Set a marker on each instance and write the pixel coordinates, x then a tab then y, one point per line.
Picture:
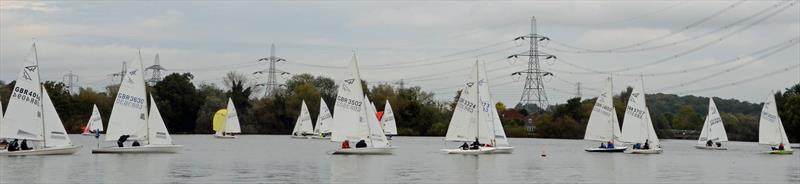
188	108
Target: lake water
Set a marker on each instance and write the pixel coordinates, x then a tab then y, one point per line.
280	159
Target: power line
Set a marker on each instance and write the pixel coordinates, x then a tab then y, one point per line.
775	72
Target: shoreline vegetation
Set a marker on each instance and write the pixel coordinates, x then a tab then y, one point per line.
188	108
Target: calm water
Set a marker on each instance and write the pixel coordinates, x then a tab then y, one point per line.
279	159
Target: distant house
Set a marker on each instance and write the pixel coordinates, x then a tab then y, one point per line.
511	115
529	126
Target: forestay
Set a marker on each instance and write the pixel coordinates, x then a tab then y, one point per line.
323	119
603	124
389	124
303	123
129	114
770	127
232	119
637	126
713	128
23	119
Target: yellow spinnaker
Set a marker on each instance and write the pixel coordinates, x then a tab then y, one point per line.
219	119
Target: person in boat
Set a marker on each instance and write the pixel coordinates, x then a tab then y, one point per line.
646	144
24	145
610	145
122	139
361	144
136	144
3	143
465	146
475	145
13	146
709	143
719	144
780	147
346	144
637	146
602	145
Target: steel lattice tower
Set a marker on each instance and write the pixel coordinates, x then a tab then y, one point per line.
272	76
533	92
156	71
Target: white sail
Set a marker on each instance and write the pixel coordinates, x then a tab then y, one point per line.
324	118
377	136
389	124
770	126
350	121
471	118
232	119
23	119
157	133
55	134
95	121
713	128
499	131
303	123
603	124
637	126
129	114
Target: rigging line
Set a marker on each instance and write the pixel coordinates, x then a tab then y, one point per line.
751	61
638	44
452	74
768	74
781	46
443	61
703	46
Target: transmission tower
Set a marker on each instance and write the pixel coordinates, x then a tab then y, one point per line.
401	83
71	80
533	90
120	74
579	95
156	72
272	81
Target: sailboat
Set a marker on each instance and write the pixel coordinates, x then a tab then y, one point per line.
228	124
770	128
388	122
713	130
603	125
303	127
324	119
95	123
32	116
130	117
471	120
637	126
354	121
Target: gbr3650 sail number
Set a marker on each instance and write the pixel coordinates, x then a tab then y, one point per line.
130	101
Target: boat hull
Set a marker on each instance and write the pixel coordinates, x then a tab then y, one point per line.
69	150
481	150
709	147
140	149
645	151
225	136
364	151
503	150
781	152
606	150
318	137
300	137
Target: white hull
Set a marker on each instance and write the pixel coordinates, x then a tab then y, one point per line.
607	150
364	151
318	137
645	151
481	150
301	137
225	136
69	150
709	147
504	149
140	149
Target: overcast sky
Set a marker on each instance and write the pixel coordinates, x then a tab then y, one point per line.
432	44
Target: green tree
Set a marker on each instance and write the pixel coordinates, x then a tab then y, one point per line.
178	102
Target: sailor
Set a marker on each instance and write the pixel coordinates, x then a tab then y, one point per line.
136	144
709	143
602	145
13	146
610	145
646	144
361	144
24	145
637	146
122	139
346	144
719	144
465	146
475	144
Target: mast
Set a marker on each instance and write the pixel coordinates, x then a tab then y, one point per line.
477	100
614	110
41	92
147	120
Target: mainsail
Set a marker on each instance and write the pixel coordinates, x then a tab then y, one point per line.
637	126
712	128
354	120
23	120
471	118
303	125
95	123
389	124
232	119
770	126
129	114
603	125
324	118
